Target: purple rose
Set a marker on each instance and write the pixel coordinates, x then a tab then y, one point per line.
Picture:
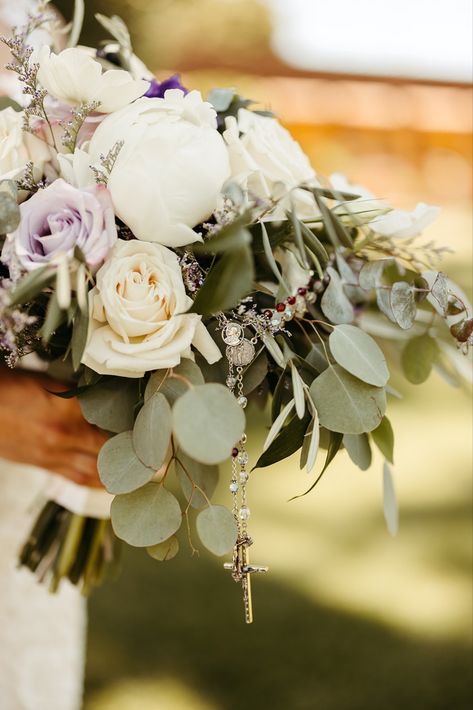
57	219
157	89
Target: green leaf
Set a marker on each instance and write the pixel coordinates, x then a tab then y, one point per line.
255	373
314	244
227	282
207	422
383	437
336	231
217	529
119	467
391	514
286	443
191	473
9	210
403	304
54	317
268	252
32	284
164	551
335	194
316	358
110	404
278	424
334	445
439	291
383	299
418	357
346	404
371	274
79	337
170	383
221	98
314	442
231	237
146	516
335	304
7	102
358	449
359	354
152	431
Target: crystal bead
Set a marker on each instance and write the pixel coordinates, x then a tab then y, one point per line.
310	298
244	512
232	334
243	458
231	382
234	487
288	314
244	476
276	320
242	401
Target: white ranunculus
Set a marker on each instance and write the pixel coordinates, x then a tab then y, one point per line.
171	168
401	224
265	157
74	77
17	147
138	319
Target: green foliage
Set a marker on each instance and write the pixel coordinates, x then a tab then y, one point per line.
383	437
79	336
227	282
217	529
9	210
110	403
288	441
345	404
335	304
403	304
120	469
358	449
197	480
32	284
175	382
207	422
418	357
359	354
391	513
152	431
164	551
147	516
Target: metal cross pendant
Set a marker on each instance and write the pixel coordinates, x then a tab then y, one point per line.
242	570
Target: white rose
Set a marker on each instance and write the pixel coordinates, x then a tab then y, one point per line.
265	157
74	77
171	168
17	147
138	319
401	224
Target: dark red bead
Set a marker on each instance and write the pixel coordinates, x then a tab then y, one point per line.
291	300
267	313
234	452
280	307
302	291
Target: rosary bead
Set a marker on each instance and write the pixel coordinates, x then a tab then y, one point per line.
242	401
302	291
244	476
244	512
234	487
234	452
291	300
243	458
280	307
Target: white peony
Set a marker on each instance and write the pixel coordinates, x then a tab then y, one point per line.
401	224
171	168
264	158
17	147
74	77
138	319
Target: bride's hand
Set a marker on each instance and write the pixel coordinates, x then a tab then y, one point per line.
40	429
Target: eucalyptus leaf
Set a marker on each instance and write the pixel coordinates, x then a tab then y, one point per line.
32	284
217	529
255	373
391	514
314	244
54	317
197	480
232	236
371	273
227	282
79	337
207	422
383	299
439	291
335	442
164	551
119	467
359	354
110	404
403	304
346	404
317	358
358	449
146	516
171	382
418	357
152	431
383	437
335	304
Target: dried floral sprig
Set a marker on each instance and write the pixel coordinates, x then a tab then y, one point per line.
17	328
73	125
27	180
107	162
26	70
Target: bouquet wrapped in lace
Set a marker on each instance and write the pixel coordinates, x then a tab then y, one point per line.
183	258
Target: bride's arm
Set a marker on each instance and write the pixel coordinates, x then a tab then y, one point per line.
43	430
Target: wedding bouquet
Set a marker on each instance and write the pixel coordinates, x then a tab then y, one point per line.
183	258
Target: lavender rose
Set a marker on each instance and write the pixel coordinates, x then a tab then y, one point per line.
57	219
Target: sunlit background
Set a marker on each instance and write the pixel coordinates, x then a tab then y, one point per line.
348	618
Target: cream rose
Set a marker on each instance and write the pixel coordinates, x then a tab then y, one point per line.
17	147
74	77
171	168
138	319
265	157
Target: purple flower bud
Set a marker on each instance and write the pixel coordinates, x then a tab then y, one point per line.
57	219
157	89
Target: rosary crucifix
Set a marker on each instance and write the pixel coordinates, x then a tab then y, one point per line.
241	572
